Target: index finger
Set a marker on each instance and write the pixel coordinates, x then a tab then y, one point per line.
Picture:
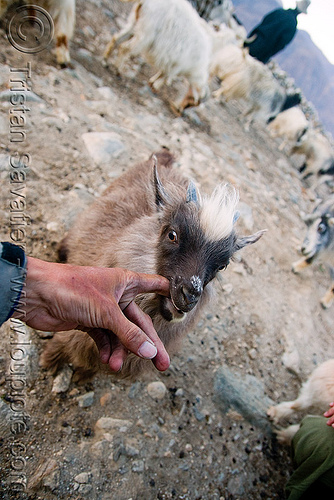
153	283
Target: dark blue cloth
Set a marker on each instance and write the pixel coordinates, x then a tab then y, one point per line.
12	277
275	31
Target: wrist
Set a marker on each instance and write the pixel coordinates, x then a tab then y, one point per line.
13	272
41	284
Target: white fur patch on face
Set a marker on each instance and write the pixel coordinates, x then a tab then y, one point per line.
217	212
196	283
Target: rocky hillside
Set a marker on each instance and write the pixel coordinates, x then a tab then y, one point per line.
198	431
301	59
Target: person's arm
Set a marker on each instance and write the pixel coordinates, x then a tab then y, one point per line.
97	300
330	415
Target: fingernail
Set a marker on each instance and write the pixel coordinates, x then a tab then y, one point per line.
147	350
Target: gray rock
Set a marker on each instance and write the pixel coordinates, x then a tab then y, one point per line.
244	394
103	146
52	481
83	478
62	381
107	424
85	489
5	415
5	96
124	449
235	486
86	400
100	448
138	466
107	93
198	414
134	390
157	390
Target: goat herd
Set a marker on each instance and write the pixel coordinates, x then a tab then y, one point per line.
164	221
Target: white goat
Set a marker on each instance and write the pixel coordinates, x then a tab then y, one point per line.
171	36
63	15
243	77
290	125
316	394
318	151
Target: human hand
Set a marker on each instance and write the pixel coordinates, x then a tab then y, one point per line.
330	414
99	301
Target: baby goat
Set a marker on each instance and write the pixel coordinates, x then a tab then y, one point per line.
63	15
315	395
319	243
156	223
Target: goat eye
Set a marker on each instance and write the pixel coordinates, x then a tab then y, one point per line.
222	268
322	228
172	236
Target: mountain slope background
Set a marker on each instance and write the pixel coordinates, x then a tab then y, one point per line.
301	59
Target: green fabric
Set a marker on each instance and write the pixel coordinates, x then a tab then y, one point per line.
313	456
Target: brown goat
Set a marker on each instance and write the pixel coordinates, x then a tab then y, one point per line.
153	226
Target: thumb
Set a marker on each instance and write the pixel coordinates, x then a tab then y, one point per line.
130	334
137	316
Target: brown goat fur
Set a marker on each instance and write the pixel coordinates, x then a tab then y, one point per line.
152	220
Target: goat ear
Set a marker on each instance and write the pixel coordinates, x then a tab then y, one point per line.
309	218
160	194
248	240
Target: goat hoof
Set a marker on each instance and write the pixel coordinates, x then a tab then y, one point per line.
175	109
152	87
65	65
324	304
271	412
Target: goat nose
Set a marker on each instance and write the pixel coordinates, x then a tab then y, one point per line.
190	295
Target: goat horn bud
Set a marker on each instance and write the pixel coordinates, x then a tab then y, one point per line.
236	217
192	193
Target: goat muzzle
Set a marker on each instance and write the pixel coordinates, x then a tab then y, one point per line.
185	294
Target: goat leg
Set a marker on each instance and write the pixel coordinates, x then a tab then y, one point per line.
188	101
157	81
125	34
284	436
299	265
327	299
